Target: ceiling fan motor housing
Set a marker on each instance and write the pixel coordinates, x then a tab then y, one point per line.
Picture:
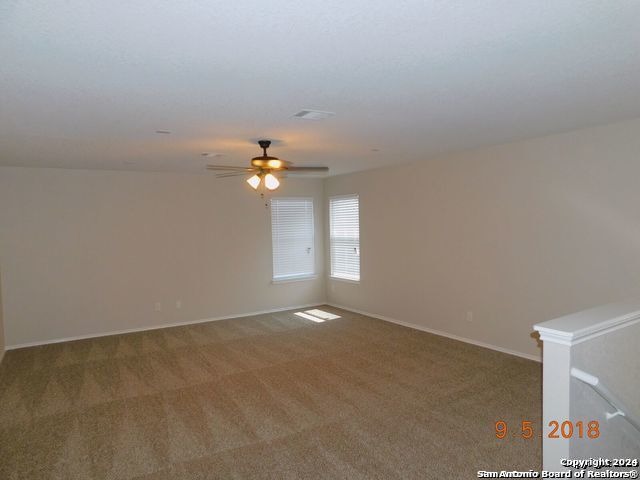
267	162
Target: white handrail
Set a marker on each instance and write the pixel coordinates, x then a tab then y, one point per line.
602	390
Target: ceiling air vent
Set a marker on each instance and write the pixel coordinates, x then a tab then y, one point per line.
313	115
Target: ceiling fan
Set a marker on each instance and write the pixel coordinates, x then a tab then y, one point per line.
263	168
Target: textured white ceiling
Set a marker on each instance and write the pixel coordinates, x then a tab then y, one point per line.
85	83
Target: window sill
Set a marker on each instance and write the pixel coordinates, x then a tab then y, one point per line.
345	280
294	279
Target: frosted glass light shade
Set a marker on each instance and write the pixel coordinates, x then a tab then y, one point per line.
254	182
271	182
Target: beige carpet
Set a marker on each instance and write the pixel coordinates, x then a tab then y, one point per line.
270	396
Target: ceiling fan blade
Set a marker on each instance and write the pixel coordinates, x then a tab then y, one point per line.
232	174
307	169
232	168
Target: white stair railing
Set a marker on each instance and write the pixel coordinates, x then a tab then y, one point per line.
602	390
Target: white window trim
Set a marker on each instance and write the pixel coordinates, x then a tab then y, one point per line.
301	277
331	276
345	280
294	278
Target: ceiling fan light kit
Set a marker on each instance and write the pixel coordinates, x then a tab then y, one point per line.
270	181
263	169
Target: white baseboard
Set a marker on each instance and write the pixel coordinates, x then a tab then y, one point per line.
156	327
528	356
275	310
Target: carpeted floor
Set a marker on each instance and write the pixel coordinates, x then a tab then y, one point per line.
271	396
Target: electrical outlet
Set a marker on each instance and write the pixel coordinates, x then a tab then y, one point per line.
469	316
158	307
178	304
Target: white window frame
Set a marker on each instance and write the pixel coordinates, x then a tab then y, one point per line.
332	275
295	277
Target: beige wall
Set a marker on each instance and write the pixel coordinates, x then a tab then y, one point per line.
516	234
89	252
2	344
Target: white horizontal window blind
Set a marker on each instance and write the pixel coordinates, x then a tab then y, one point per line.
344	213
292	234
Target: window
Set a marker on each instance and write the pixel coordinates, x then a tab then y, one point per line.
344	219
292	234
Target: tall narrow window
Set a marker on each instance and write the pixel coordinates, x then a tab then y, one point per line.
344	219
292	234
